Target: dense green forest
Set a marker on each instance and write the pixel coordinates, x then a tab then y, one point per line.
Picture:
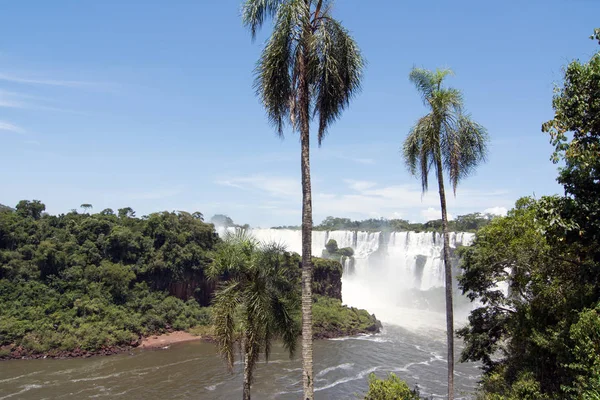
462	223
540	338
90	282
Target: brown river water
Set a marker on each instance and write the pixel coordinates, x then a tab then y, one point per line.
193	370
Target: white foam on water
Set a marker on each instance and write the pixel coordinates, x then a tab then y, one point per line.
345	366
361	375
26	388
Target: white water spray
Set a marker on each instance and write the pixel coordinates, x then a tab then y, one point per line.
399	276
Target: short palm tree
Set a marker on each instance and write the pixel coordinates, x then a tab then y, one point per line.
310	68
256	301
447	140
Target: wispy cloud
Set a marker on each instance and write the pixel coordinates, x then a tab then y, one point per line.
25	101
366	199
10	103
282	187
46	82
7	126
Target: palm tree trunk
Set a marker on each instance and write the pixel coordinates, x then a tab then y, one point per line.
448	274
307	271
247	371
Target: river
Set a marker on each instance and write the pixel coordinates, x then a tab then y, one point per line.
193	370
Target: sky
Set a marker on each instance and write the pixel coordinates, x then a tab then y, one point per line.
150	105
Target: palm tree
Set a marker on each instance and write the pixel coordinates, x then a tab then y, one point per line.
448	140
256	301
310	68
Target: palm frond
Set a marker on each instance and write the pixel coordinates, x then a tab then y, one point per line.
446	133
447	103
419	147
273	82
428	82
254	13
286	325
464	148
336	71
225	303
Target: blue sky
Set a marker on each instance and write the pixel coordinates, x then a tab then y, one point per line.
149	104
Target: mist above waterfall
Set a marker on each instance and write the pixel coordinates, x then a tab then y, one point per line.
399	276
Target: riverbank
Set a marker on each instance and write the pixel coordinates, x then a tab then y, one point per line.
348	321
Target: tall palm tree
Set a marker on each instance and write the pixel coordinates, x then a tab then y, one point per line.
310	68
447	140
256	301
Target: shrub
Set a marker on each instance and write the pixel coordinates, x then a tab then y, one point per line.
392	388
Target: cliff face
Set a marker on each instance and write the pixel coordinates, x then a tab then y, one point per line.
327	278
193	284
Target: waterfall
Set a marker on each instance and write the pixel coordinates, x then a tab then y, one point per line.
389	272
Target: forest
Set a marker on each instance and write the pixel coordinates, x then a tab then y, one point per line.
540	338
82	283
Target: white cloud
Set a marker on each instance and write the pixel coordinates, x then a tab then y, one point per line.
496	211
431	213
7	126
359	185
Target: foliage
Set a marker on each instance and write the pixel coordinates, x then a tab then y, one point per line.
327	277
539	339
331	246
257	296
391	388
225	221
332	319
462	223
95	281
307	49
332	251
446	138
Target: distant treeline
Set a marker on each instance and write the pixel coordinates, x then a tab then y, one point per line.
463	223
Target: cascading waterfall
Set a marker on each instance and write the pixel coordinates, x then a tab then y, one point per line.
397	275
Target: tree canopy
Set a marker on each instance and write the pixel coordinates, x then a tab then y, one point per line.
537	271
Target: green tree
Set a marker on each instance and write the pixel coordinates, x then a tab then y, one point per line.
256	301
546	325
450	141
126	212
86	207
221	220
392	388
310	68
33	208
